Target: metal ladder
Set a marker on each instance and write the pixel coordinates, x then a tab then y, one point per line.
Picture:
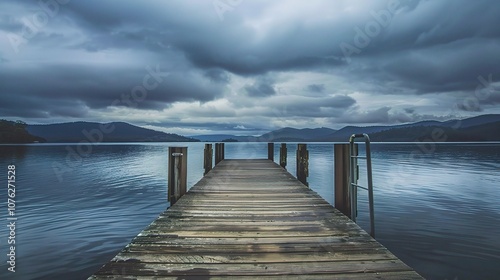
354	176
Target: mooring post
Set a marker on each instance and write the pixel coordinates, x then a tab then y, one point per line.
283	153
177	173
302	163
270	151
223	151
342	173
207	161
219	152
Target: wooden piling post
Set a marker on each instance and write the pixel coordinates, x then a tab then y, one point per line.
270	151
302	163
223	151
342	172
177	173
219	152
283	154
342	168
207	161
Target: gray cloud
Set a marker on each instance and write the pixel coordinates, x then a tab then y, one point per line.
91	53
469	107
313	107
409	110
218	76
380	115
73	86
316	88
260	90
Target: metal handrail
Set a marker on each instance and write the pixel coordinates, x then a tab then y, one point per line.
353	186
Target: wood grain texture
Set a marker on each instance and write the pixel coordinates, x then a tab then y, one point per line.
247	219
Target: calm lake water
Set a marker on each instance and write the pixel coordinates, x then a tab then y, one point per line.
437	206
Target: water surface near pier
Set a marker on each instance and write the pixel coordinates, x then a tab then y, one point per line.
436	205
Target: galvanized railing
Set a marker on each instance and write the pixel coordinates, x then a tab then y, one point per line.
354	175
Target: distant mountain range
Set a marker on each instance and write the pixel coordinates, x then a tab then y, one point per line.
456	130
286	134
482	132
289	134
96	132
222	137
480	128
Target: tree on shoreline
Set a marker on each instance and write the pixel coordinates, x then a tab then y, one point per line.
15	132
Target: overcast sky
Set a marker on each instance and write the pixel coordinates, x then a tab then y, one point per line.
248	66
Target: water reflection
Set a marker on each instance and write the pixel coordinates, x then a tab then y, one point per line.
13	152
437	211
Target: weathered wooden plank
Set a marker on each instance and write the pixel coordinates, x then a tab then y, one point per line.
249	219
287	240
151	257
135	267
241	248
409	275
246	227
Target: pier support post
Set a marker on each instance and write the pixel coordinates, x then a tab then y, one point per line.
219	152
207	161
223	153
342	172
270	151
302	163
283	153
177	173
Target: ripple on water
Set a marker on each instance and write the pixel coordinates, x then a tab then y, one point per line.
439	212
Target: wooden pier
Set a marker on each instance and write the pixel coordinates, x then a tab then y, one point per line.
251	219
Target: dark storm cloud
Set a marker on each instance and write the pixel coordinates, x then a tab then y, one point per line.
488	95
261	89
469	107
316	88
9	23
204	40
91	53
409	110
443	69
63	89
494	98
427	28
436	46
264	86
218	76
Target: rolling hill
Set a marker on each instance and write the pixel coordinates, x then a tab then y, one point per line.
481	132
289	134
479	128
412	131
96	132
15	132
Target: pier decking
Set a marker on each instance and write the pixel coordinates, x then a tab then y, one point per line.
250	219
